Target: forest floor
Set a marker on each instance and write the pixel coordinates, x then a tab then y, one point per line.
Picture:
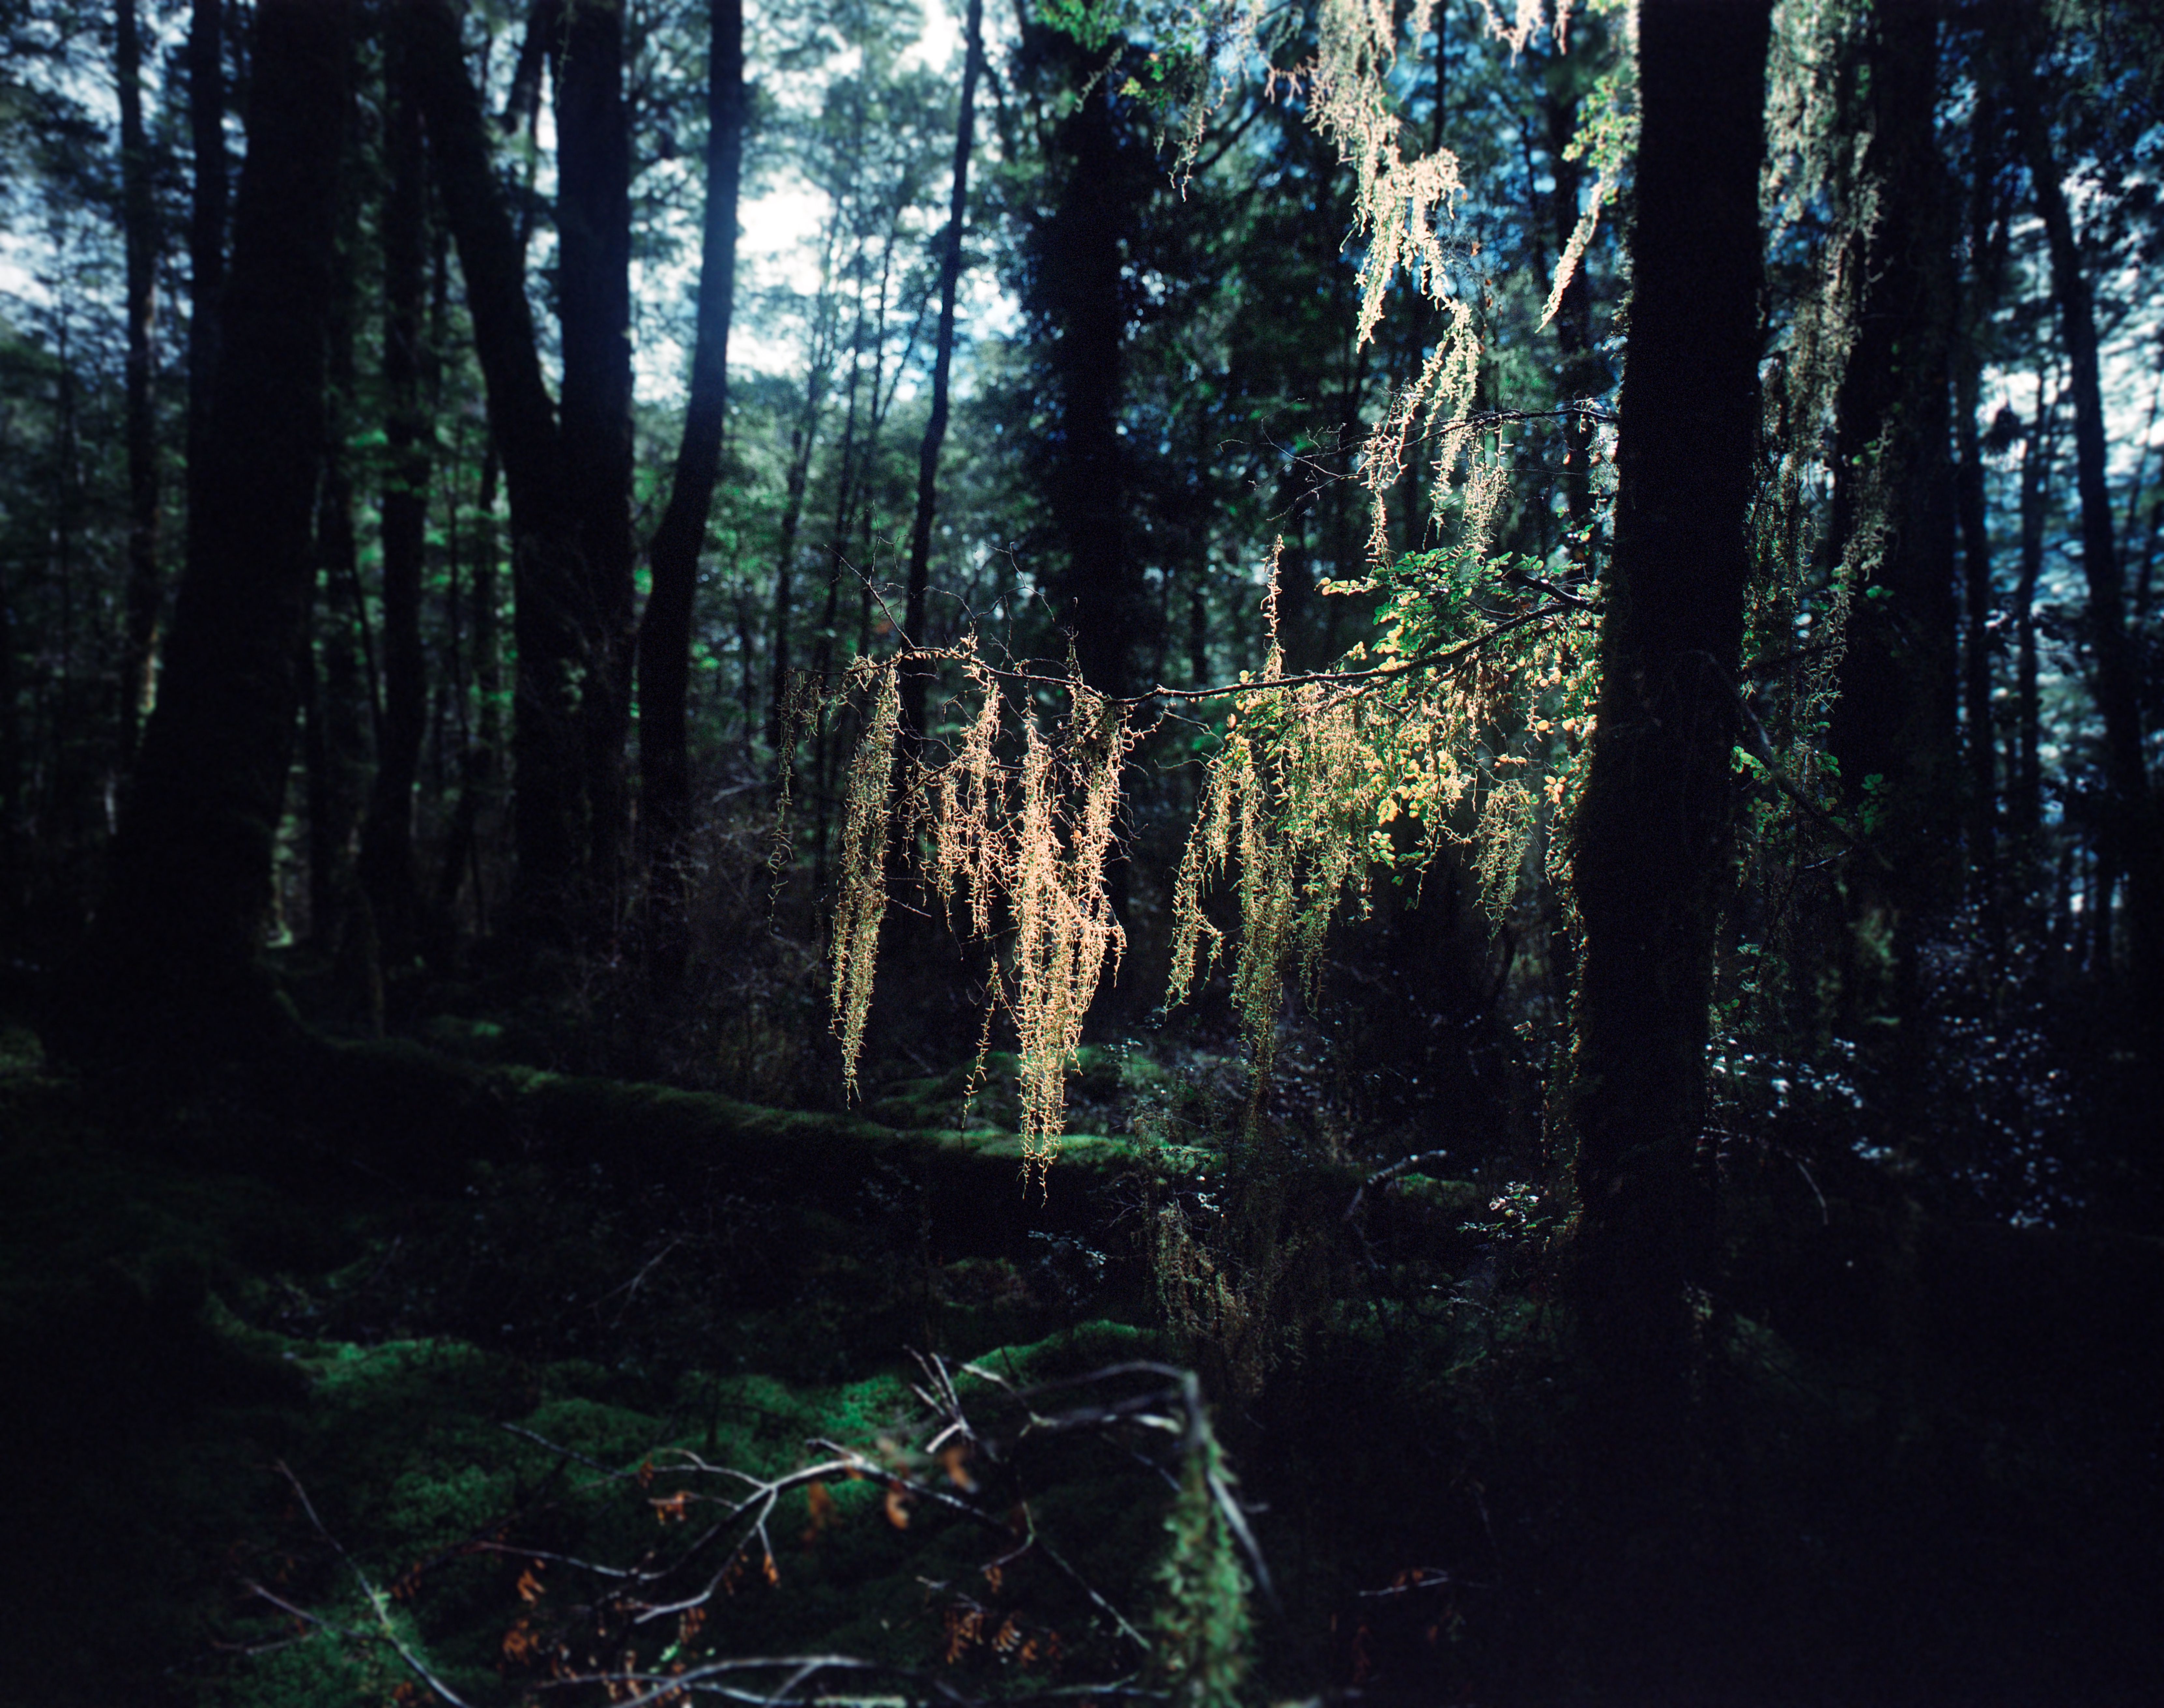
402	1374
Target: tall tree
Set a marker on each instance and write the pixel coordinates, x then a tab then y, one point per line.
593	296
916	682
1650	861
1081	294
389	880
665	634
171	964
1894	727
2025	791
138	218
1987	247
338	705
206	63
2132	843
548	590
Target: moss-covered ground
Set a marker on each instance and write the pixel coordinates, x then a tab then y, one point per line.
398	1360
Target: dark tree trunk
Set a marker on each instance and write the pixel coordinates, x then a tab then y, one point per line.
802	437
830	615
915	682
1987	244
172	963
389	880
138	218
593	229
1082	299
1650	863
2026	792
337	718
547	587
665	634
206	63
1895	726
2129	832
478	780
1895	719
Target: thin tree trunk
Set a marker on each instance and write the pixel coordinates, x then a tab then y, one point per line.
1987	247
338	722
593	226
916	681
548	588
2027	802
664	635
138	217
477	768
2129	832
388	877
802	437
206	62
172	965
822	657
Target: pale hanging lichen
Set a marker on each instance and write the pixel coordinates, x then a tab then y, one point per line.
860	904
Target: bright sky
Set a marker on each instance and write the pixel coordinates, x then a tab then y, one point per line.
778	233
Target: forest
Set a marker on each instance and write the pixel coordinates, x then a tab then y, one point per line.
1109	851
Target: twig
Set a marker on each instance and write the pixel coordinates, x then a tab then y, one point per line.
374	1597
1403	1165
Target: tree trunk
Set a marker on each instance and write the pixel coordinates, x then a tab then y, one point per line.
388	877
547	589
916	681
206	63
2026	794
171	966
1082	299
664	635
593	227
830	615
138	218
477	769
1895	726
338	727
1650	863
2129	834
1986	264
1894	493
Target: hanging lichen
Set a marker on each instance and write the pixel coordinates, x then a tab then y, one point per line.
1464	722
860	906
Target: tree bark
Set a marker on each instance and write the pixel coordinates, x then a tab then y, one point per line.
1652	837
664	635
172	967
1894	512
206	62
389	879
337	722
916	681
1987	246
593	229
138	218
547	584
2026	792
1083	301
